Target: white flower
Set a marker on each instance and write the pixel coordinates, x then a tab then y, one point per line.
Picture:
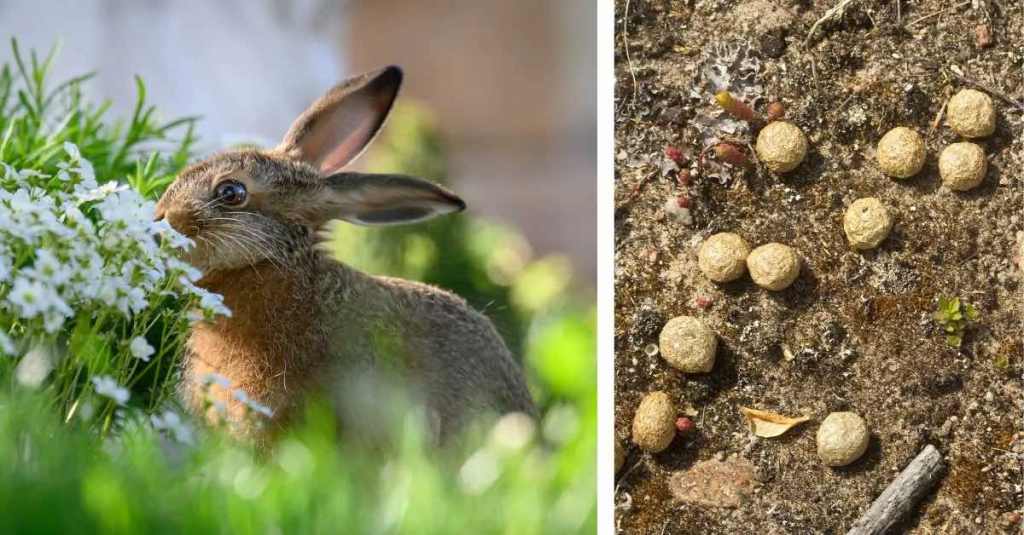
53	320
141	349
48	269
72	151
244	398
31	298
99	192
214	378
107	386
170	421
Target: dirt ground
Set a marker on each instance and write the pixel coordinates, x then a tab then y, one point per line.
855	332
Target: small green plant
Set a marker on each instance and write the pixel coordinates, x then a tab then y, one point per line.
954	316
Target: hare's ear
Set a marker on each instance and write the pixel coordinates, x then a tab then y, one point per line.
339	125
369	199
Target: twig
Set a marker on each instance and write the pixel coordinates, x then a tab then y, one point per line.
899	13
901	495
635	191
938	116
625	44
990	89
836	12
937	13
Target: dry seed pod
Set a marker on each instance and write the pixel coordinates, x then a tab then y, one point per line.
773	266
867	222
901	153
688	345
729	153
781	146
971	114
776	111
842	438
723	257
735	107
962	166
654	425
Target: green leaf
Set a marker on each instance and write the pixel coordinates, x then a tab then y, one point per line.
954	340
972	313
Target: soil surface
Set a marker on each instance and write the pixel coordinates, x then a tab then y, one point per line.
855	331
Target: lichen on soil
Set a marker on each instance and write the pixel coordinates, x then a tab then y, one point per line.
854	332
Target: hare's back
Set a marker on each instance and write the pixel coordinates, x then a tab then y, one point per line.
461	353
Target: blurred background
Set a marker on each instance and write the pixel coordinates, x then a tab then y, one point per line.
511	84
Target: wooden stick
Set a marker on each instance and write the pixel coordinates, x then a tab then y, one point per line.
897	500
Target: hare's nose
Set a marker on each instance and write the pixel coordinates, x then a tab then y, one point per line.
182	221
158	215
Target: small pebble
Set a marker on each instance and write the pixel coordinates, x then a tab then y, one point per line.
654	425
684	425
688	345
773	266
781	146
723	257
775	112
971	114
962	166
842	438
901	153
982	36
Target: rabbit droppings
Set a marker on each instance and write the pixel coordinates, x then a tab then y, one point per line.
303	322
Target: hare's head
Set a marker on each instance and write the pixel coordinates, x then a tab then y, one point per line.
246	207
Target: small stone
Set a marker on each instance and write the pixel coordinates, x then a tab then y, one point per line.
982	36
723	257
688	345
971	114
842	438
654	425
715	483
963	166
684	425
776	110
867	222
773	266
781	146
901	153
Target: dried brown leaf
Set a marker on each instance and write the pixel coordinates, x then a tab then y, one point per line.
768	424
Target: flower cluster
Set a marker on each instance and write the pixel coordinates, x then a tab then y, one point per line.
68	244
84	267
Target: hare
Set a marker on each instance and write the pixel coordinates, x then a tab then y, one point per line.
305	323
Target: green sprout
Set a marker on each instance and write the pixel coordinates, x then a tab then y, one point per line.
954	317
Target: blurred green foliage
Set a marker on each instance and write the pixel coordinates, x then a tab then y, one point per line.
60	476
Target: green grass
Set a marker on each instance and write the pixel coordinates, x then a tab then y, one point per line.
75	461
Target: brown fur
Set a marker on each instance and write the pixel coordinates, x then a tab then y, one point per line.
303	322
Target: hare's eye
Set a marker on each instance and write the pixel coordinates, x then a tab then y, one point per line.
231	192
